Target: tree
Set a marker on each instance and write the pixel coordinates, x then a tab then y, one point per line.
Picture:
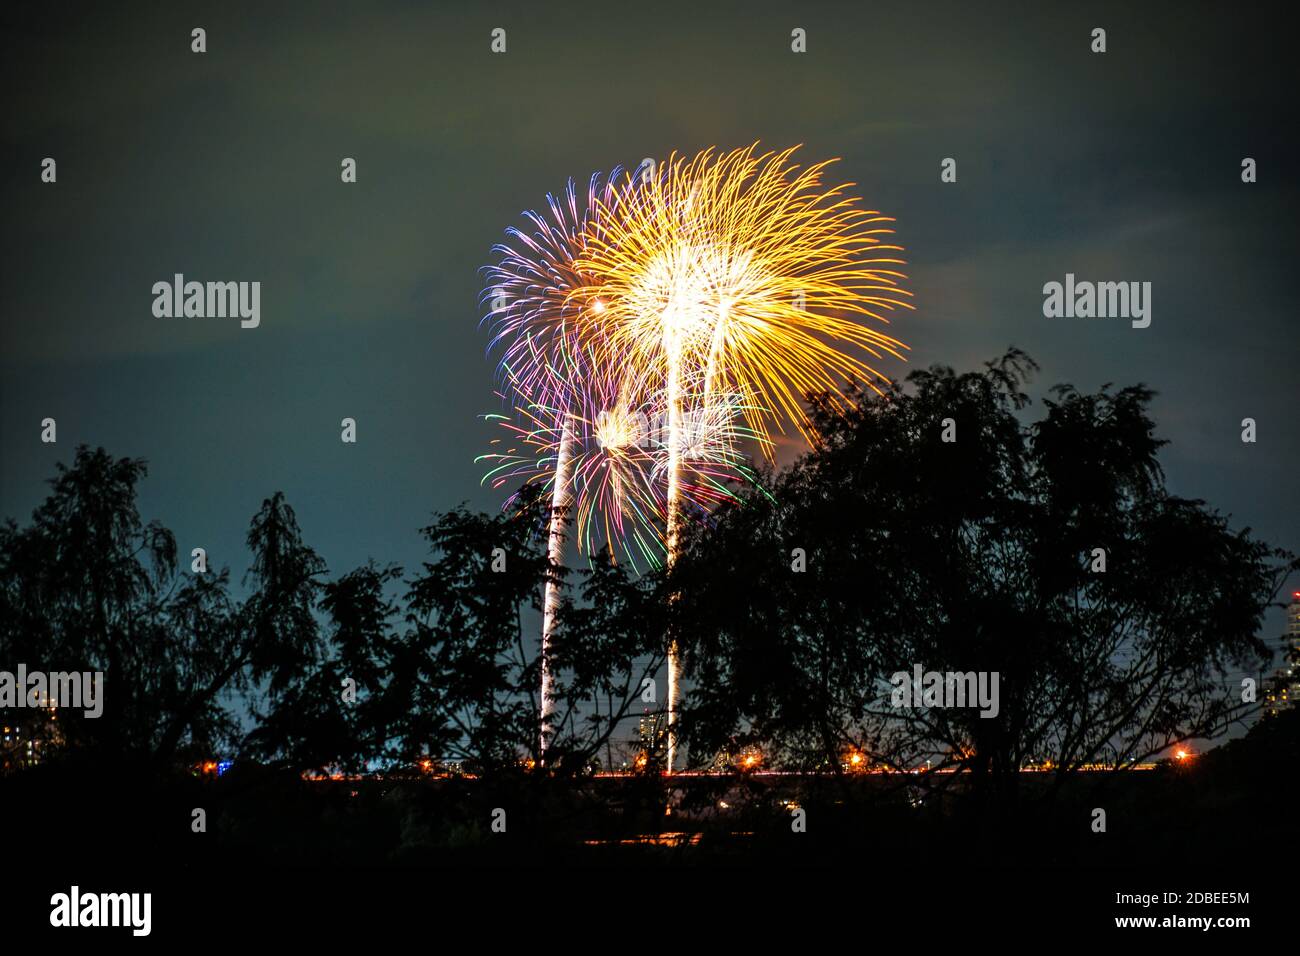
308	723
327	672
608	649
471	673
973	555
338	714
88	586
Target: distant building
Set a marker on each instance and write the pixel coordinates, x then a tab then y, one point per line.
1282	689
1293	621
650	732
28	735
1276	696
647	747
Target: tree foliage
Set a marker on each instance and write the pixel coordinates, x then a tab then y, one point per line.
1044	549
973	555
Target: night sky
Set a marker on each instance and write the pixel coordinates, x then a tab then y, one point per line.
225	166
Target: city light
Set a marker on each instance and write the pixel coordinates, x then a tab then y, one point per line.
750	759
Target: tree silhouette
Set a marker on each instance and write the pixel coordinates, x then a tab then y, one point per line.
88	586
975	554
939	527
471	671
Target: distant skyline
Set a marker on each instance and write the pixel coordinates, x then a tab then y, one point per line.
224	166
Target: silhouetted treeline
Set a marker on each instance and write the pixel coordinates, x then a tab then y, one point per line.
335	674
934	525
941	527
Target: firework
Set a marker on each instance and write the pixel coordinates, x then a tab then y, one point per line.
614	450
742	275
608	470
533	314
534	308
654	331
584	423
